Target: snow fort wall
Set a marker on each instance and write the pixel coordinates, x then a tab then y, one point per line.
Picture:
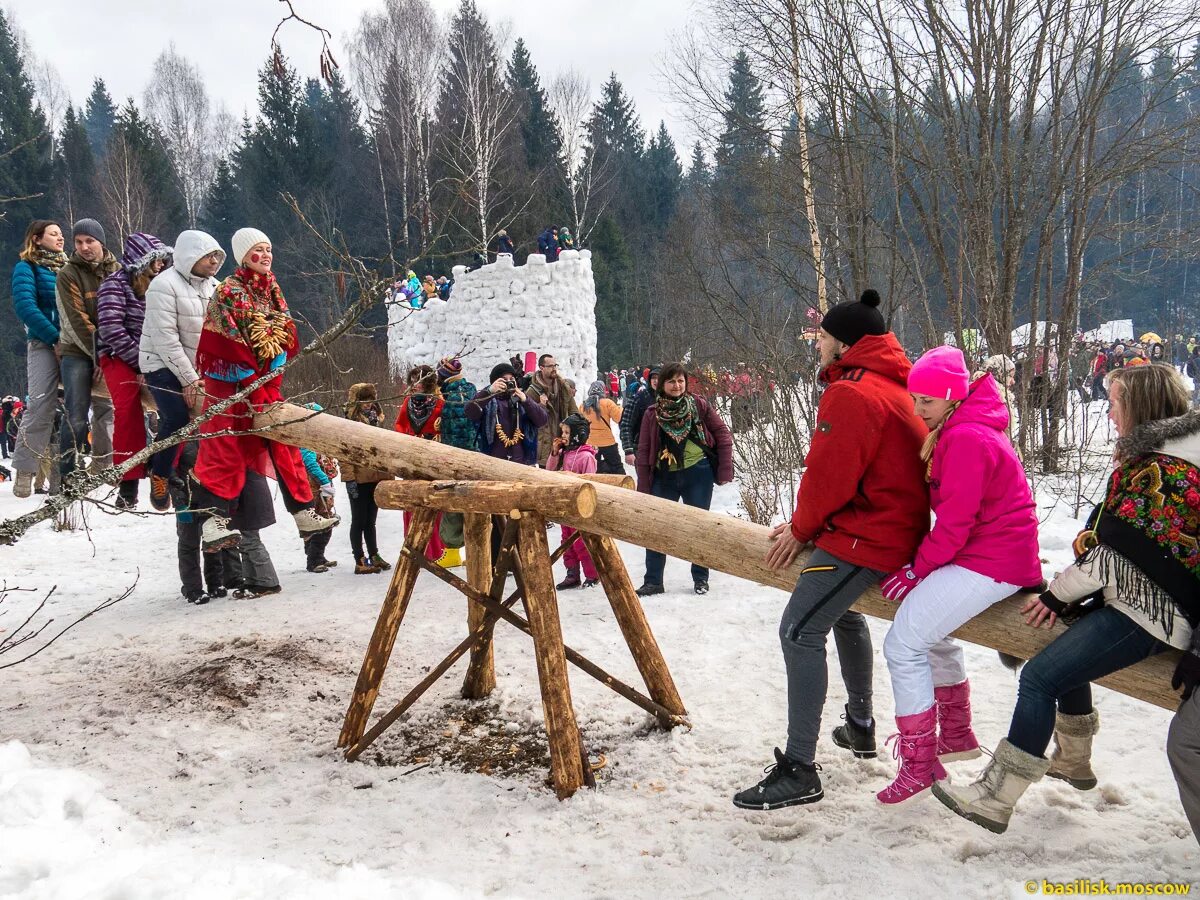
500	310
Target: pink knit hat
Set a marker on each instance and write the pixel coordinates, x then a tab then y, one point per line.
942	373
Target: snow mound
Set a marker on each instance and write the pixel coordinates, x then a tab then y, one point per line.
499	310
63	838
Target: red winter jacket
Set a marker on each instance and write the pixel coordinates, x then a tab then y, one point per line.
863	497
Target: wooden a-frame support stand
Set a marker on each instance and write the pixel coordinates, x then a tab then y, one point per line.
525	553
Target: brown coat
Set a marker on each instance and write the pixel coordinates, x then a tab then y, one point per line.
359	399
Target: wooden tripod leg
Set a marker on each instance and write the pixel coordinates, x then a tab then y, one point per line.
390	616
481	673
476	683
541	606
633	623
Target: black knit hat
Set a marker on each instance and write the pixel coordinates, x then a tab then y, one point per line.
500	370
850	321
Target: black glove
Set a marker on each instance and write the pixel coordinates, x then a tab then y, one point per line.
1187	675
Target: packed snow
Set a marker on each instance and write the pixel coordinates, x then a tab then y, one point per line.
499	310
162	749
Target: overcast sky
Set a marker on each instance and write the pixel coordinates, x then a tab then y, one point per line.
229	41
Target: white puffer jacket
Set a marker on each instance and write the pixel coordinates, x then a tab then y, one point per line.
175	305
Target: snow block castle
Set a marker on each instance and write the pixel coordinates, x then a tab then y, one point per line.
500	310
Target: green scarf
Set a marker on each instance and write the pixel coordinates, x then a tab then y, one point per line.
49	259
679	419
678	416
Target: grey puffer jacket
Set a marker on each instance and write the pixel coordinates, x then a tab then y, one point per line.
175	305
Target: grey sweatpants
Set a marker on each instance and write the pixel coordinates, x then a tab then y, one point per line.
820	603
1183	750
37	422
257	568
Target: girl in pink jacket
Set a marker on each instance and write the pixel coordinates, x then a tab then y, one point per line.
572	453
982	548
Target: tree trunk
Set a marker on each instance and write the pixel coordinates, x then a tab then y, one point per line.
720	542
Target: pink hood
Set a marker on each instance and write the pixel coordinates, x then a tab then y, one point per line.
986	518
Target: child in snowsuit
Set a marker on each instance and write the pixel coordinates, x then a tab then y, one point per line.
982	548
572	453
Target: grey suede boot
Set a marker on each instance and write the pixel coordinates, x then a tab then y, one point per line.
1072	758
989	801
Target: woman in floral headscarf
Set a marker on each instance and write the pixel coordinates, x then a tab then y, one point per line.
1132	592
248	333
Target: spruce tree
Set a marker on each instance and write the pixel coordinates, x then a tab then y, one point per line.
698	175
541	136
270	161
743	145
25	170
663	180
99	118
613	149
612	269
75	194
536	157
222	213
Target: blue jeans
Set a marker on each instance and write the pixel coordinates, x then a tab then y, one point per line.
1099	644
694	486
172	415
77	374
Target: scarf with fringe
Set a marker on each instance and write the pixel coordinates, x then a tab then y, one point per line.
1145	538
679	419
246	325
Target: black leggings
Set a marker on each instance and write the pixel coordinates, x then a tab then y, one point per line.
363	512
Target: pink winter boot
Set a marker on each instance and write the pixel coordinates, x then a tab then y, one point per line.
917	751
956	740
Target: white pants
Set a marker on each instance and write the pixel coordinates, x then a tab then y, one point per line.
918	652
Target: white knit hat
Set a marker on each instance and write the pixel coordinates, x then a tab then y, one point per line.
243	240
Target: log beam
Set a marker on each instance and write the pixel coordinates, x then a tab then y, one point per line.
575	498
720	542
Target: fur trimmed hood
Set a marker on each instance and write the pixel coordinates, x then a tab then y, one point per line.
1178	437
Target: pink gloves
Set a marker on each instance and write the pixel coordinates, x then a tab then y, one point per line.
900	584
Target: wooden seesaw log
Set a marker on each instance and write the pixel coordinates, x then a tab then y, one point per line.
720	542
575	498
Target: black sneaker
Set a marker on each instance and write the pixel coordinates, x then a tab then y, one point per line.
787	784
701	587
217	593
650	590
197	597
853	737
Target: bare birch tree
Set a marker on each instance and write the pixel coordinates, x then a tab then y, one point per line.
177	101
477	114
587	179
395	71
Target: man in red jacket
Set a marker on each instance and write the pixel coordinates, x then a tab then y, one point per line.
864	504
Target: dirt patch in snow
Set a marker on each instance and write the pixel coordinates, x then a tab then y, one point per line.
237	673
470	737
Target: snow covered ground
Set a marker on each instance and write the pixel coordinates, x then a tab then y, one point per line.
167	750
